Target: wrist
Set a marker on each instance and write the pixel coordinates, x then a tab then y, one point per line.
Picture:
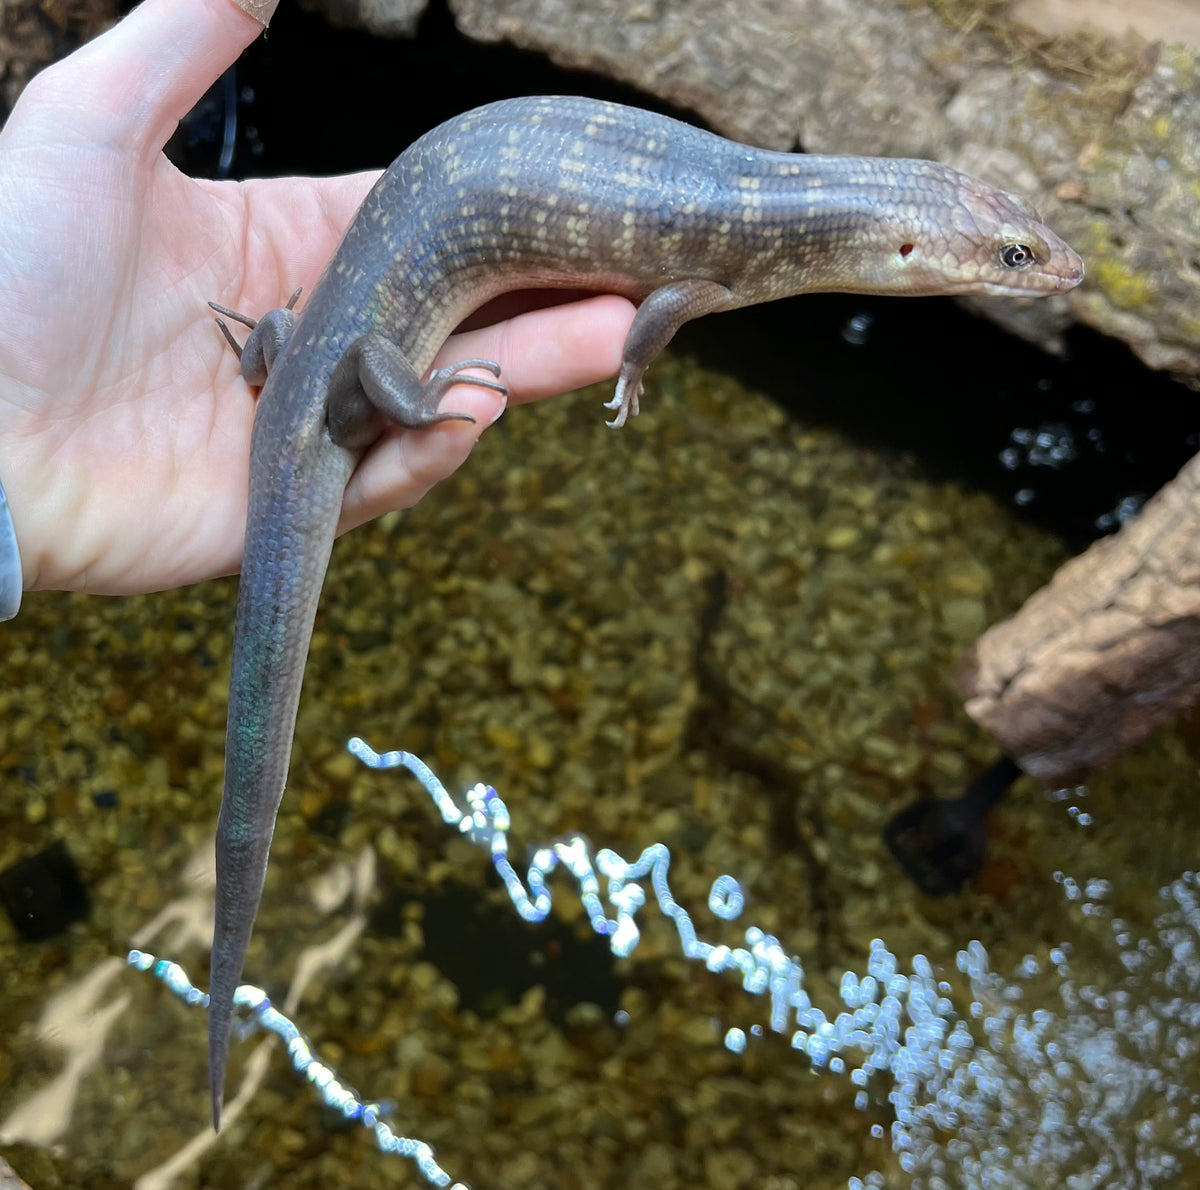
19	561
11	573
30	490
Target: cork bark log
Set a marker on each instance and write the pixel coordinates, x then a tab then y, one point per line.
1106	652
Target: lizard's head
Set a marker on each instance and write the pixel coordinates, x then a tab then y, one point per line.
968	237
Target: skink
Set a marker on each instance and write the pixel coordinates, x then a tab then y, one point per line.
522	194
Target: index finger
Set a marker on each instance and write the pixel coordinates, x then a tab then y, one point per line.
552	350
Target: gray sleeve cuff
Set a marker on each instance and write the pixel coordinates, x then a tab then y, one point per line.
10	563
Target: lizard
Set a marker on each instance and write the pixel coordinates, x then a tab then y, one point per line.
543	192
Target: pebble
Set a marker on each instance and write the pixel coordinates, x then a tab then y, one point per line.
714	619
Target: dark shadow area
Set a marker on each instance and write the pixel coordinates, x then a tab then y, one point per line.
494	958
1064	441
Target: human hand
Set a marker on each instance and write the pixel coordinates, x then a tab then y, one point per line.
124	420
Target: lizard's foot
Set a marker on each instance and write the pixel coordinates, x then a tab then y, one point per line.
263	344
625	399
437	384
374	372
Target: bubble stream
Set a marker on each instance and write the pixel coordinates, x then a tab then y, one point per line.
974	1112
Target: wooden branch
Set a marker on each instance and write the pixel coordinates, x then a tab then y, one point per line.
1106	652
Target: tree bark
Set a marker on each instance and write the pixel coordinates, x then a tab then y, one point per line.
1103	654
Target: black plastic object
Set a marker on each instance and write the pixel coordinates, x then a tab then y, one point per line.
44	893
940	842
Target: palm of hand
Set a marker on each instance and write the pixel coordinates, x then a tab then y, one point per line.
120	389
121	392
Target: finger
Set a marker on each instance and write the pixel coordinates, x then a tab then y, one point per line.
540	353
131	85
550	351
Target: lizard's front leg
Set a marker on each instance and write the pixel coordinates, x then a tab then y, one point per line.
654	325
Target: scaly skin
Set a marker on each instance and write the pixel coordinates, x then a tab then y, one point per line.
536	193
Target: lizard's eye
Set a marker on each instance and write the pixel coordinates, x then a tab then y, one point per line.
1016	256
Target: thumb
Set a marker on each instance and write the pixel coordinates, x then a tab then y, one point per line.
129	88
